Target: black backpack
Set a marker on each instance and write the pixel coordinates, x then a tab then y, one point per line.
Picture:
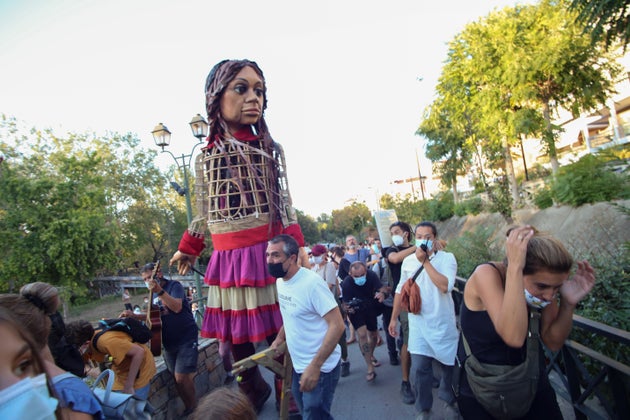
138	332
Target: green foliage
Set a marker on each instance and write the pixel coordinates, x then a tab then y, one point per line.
608	303
588	181
543	198
472	205
441	207
76	207
351	219
500	198
408	208
473	248
605	19
309	227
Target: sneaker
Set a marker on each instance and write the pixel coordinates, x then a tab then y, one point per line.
345	368
408	396
450	412
424	415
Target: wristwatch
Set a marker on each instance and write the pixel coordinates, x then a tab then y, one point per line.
161	292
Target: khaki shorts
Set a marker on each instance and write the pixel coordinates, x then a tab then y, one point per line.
404	326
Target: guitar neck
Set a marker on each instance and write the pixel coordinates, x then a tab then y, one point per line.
149	306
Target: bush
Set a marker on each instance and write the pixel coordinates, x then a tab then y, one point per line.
473	248
473	206
441	207
587	181
543	198
608	303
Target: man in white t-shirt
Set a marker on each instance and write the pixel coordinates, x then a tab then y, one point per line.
312	326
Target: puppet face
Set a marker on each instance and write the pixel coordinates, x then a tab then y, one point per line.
242	101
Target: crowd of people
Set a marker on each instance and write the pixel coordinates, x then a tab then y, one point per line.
265	285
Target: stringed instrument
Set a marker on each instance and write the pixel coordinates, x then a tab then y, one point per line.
153	320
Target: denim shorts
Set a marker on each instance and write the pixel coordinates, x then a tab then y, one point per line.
182	359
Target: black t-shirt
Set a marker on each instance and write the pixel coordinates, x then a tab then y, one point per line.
344	268
365	292
177	328
395	268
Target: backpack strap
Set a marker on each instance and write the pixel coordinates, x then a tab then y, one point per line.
103	327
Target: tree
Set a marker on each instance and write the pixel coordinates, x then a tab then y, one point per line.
505	77
608	19
309	227
350	220
72	207
407	208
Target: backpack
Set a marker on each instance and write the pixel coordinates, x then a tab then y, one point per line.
138	332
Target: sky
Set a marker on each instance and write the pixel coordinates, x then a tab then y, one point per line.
347	80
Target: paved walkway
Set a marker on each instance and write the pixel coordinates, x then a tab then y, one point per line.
357	399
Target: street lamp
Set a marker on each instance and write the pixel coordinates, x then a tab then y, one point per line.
162	138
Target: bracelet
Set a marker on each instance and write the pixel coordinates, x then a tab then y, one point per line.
161	292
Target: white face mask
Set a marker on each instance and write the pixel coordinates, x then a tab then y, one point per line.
535	302
398	240
318	259
26	399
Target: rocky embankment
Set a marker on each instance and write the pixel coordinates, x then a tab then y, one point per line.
585	230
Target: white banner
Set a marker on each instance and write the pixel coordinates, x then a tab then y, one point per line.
384	219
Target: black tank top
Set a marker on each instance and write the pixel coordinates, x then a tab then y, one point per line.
484	341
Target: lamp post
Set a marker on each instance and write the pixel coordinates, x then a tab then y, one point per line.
162	138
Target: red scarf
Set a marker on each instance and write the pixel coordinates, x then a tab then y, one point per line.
244	134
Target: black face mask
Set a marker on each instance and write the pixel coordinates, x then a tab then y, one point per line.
276	269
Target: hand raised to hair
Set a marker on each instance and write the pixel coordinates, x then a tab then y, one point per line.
184	262
577	287
516	246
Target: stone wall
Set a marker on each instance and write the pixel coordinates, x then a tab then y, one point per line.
210	374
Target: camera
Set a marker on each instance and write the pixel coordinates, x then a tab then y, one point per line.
355	304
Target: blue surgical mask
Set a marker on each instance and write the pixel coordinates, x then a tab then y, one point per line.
360	281
535	302
427	242
318	259
28	399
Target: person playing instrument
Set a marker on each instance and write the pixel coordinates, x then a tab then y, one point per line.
179	332
495	311
243	200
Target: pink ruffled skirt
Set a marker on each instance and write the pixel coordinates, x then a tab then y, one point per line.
242	304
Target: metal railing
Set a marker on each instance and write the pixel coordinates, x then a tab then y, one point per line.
597	386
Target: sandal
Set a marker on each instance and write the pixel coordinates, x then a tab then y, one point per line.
375	362
370	376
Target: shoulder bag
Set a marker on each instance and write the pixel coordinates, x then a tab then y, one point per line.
117	405
506	391
410	298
